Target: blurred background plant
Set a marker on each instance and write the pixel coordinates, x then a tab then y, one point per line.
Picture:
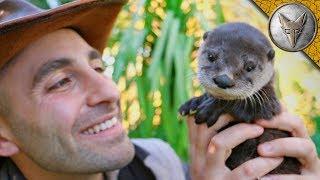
151	54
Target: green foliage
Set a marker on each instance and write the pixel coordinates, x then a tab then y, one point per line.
316	136
44	3
219	13
40	3
167	73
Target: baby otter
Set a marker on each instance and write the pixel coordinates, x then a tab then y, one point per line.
236	69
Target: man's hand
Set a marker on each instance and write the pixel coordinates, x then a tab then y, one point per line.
209	151
299	146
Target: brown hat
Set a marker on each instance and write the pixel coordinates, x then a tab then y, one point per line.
21	23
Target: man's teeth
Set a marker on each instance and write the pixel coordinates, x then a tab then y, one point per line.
102	126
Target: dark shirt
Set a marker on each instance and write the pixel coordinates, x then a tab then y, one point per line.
136	169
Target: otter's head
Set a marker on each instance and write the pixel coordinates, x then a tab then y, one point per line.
235	61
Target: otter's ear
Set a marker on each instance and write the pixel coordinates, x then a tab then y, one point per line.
270	54
205	35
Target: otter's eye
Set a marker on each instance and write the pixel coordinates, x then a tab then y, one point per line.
250	66
212	57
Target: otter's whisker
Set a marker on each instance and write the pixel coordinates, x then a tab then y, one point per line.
254	104
258	100
265	94
243	98
262	97
250	100
245	102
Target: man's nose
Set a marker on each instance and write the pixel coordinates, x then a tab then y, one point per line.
224	81
102	89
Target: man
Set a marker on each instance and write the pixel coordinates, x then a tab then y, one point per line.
60	117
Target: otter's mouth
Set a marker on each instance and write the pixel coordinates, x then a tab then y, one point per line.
223	94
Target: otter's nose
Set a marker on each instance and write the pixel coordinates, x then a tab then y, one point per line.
223	81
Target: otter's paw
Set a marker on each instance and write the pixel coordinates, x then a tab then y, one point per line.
214	117
190	107
204	111
208	113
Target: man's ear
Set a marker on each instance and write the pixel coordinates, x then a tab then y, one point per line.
7	148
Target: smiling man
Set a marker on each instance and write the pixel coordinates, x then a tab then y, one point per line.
60	117
52	81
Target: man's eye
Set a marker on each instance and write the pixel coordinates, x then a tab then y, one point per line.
99	69
60	84
98	65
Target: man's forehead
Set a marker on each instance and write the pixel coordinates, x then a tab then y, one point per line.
22	56
63	38
60	43
63	43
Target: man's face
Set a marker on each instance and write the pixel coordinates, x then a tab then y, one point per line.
65	114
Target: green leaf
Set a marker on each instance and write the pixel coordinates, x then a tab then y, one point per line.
154	71
40	3
316	139
171	47
218	9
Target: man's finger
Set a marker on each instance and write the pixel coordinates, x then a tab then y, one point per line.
192	132
192	128
255	168
287	122
222	121
235	135
201	137
302	149
222	143
205	134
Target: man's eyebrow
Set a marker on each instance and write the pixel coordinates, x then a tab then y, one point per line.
50	67
94	54
55	65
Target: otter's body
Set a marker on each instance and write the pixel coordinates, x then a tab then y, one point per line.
236	70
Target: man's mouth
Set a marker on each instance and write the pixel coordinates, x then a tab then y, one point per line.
95	129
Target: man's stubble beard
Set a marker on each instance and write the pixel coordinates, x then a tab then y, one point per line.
53	152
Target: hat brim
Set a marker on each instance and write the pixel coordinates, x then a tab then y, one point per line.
92	19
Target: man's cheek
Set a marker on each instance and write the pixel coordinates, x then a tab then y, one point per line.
61	112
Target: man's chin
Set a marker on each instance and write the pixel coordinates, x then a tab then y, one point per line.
124	154
105	159
117	152
118	156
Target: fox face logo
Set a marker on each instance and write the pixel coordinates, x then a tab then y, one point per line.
292	29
